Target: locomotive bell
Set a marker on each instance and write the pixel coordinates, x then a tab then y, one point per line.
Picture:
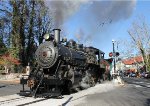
57	35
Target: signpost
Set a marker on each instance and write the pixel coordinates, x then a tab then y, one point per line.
114	55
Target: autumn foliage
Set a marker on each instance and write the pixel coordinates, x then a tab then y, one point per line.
8	59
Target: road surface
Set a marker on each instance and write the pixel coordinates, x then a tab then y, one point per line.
135	92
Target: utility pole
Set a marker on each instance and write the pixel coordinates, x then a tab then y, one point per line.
114	56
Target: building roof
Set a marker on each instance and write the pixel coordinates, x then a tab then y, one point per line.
133	60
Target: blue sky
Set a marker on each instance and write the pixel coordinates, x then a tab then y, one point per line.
102	38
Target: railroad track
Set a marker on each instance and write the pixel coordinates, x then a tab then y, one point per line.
20	101
32	102
9	101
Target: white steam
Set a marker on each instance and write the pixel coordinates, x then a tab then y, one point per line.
81	37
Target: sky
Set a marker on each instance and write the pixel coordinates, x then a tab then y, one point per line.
97	23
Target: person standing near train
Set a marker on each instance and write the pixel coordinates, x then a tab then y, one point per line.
28	69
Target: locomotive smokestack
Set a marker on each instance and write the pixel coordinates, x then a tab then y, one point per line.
57	35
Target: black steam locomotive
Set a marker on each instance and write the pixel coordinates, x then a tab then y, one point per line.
63	66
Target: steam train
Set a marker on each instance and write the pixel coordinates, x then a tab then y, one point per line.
63	66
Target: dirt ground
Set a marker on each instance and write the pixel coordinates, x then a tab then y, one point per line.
13	81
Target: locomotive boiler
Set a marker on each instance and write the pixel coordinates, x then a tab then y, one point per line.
62	66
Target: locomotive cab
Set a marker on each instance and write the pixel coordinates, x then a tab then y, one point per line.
101	55
94	55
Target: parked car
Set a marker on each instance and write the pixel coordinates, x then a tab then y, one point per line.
132	74
142	75
147	75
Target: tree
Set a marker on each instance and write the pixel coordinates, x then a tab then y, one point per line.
43	21
3	48
140	36
23	24
126	48
39	25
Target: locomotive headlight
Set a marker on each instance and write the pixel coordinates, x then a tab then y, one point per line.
46	36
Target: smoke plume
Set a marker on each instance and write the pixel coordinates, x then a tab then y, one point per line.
93	14
113	10
81	37
78	35
61	10
102	14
